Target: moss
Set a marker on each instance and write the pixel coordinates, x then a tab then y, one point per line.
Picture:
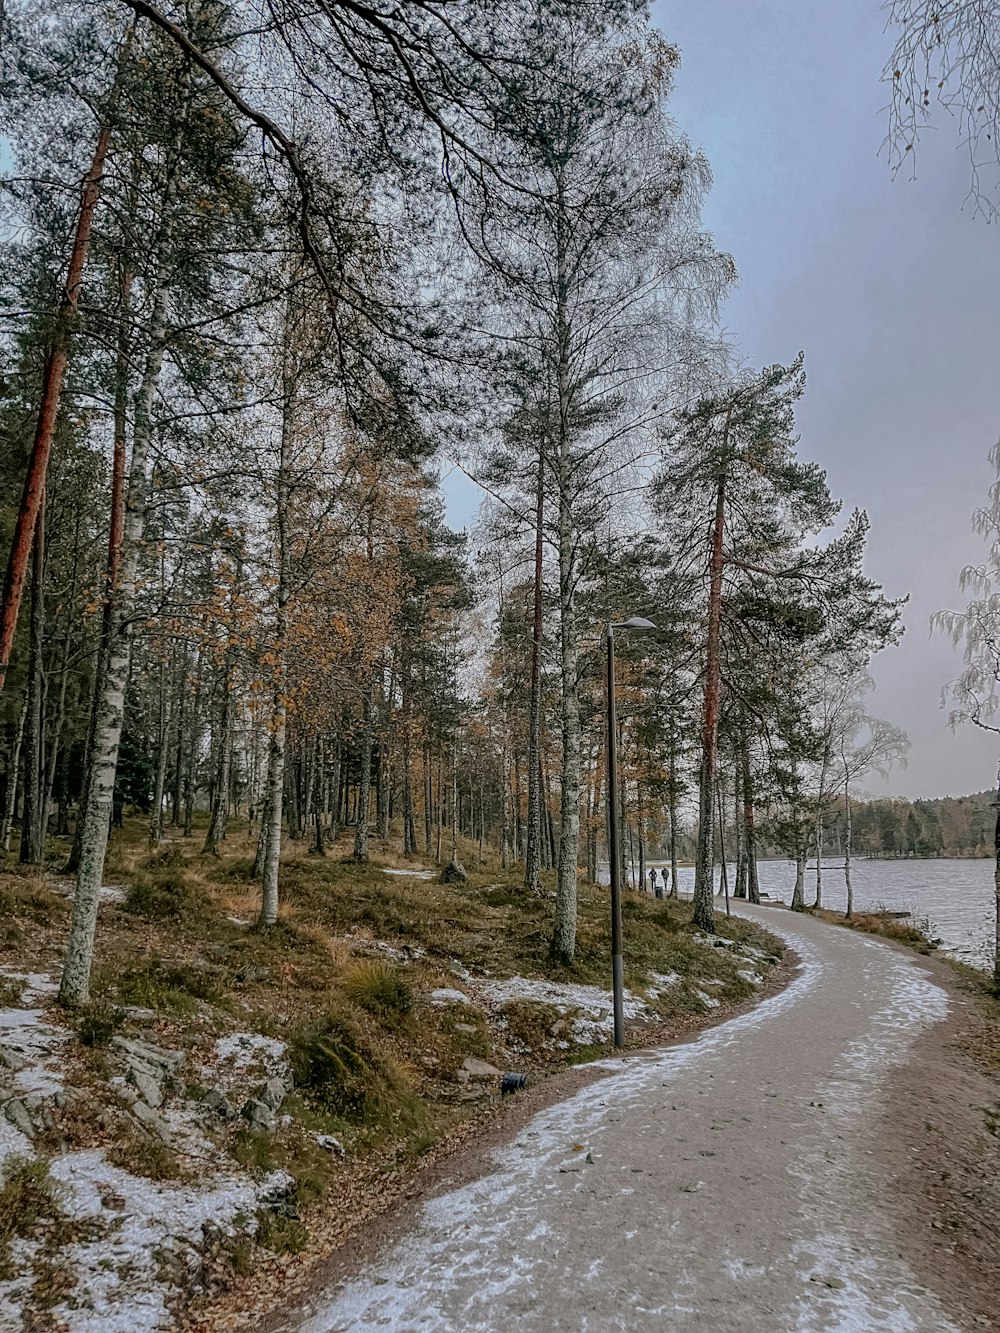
283	1235
172	986
338	1069
161	894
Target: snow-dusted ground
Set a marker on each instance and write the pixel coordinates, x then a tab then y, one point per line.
725	1185
117	1287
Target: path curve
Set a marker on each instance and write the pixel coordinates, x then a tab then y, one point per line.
733	1184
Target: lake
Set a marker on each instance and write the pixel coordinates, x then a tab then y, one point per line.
955	896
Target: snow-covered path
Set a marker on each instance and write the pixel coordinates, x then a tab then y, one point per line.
728	1184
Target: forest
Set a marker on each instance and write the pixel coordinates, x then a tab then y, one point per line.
272	272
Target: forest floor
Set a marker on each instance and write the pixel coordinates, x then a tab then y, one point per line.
235	1104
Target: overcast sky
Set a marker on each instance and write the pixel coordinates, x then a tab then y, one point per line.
892	290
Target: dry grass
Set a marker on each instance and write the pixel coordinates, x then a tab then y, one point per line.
876	923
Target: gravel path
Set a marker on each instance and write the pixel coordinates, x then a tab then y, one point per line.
727	1184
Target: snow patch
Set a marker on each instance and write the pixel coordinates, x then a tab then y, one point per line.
117	1289
444	995
242	1049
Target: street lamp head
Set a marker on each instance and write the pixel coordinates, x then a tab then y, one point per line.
636	622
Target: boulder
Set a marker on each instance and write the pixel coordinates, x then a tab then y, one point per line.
14	1062
479	1069
258	1116
17	1115
149	1056
331	1144
217	1101
272	1094
150	1120
146	1086
453	873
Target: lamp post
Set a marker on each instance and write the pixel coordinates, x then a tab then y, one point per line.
614	852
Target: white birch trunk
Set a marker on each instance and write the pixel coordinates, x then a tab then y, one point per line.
110	710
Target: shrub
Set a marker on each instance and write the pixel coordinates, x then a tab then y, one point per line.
283	1235
339	1072
160	895
378	987
98	1023
160	985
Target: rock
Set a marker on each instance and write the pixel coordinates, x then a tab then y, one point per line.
272	1094
453	873
331	1144
218	1102
444	995
135	1014
149	1055
753	978
17	1115
66	1098
146	1085
469	1028
479	1069
38	1109
151	1121
14	1062
258	1116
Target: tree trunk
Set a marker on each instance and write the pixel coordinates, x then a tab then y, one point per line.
749	825
704	912
319	786
724	886
533	851
13	773
53	374
110	710
32	814
564	926
279	707
162	750
56	749
365	784
799	891
847	845
220	803
819	829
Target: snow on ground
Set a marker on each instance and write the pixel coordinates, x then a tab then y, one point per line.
117	1265
410	874
31	1042
591	1007
241	1049
117	1289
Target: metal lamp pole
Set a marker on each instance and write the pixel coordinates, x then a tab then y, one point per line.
614	836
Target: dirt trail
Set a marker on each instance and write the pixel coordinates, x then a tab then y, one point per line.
729	1184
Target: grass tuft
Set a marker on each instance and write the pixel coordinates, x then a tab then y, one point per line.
378	987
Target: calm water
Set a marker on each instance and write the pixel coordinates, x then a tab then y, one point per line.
956	897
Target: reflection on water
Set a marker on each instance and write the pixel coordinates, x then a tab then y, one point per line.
955	896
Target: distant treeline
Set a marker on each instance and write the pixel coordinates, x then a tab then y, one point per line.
891	827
